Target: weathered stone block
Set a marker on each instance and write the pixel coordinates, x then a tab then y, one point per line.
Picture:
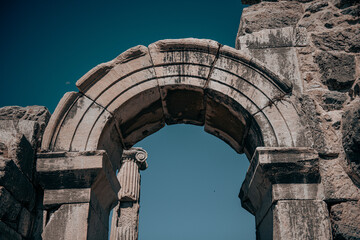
333	100
317	6
337	70
60	196
83	226
269	16
270	38
25	223
75	170
351	137
7	233
277	166
9	207
345	219
337	183
301	219
16	183
29	121
346	40
23	155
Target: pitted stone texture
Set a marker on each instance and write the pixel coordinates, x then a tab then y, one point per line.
306	219
23	191
73	221
347	40
333	100
351	137
269	16
125	221
337	184
29	121
7	233
9	207
345	219
337	70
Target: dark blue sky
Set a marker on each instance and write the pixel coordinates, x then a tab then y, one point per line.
190	189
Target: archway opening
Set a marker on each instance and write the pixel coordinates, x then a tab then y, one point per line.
190	189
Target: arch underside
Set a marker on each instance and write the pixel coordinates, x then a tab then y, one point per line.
176	81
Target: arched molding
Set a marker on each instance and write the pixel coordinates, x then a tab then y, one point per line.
176	81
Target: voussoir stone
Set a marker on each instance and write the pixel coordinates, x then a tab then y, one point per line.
337	70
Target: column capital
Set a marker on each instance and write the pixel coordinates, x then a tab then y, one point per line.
137	154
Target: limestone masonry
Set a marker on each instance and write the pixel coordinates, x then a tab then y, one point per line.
288	97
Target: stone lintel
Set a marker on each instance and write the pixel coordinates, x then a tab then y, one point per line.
280	173
78	177
87	169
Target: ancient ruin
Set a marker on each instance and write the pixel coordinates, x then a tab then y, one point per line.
288	97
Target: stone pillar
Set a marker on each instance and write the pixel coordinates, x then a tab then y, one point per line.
125	218
80	188
283	190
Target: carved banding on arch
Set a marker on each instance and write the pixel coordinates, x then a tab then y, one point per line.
176	81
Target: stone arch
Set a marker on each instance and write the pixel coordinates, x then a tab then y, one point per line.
177	81
192	81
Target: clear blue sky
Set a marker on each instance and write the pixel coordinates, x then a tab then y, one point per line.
190	189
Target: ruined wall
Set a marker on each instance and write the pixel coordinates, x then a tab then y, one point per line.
316	45
21	131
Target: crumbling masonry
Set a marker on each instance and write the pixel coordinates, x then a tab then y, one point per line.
288	97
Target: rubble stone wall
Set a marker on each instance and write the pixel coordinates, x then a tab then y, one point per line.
21	130
316	45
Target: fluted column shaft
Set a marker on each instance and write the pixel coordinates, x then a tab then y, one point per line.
125	218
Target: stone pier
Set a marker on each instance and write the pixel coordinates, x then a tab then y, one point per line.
283	190
80	189
125	219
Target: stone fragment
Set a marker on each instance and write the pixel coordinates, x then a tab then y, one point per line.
353	11
344	40
29	121
25	223
337	70
345	219
269	16
333	100
317	6
312	121
16	183
7	233
9	207
351	135
270	38
23	155
344	3
301	219
337	184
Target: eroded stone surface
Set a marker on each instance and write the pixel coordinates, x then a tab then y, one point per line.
345	219
337	70
351	137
